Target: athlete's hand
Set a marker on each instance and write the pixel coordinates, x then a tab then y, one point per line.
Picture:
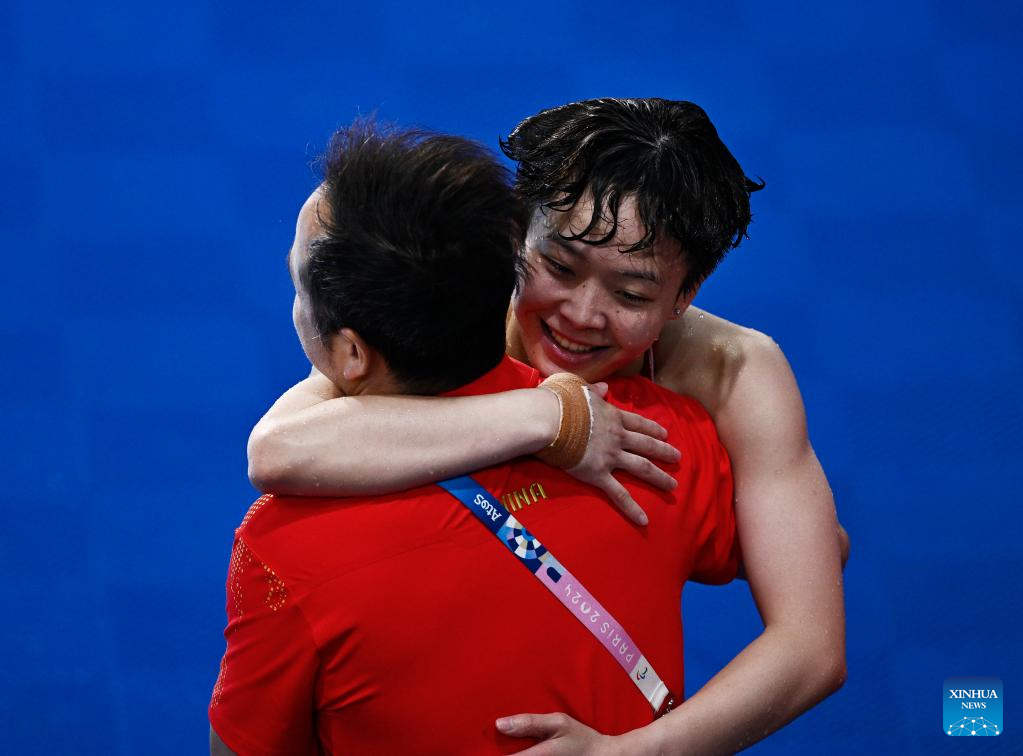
622	440
559	734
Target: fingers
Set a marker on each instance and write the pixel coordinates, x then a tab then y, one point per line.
633	422
646	470
651	448
600	389
623	500
532	725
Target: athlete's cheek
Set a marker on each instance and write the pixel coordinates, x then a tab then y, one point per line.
638	336
538	295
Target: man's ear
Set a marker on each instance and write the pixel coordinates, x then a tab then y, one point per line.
351	357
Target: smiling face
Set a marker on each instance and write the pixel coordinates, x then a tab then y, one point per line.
594	310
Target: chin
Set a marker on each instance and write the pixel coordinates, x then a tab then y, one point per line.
591	372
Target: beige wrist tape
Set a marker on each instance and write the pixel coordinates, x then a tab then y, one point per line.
569	445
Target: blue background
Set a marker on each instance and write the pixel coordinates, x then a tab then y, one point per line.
153	159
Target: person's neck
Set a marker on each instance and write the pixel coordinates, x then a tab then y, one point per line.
513	346
377	383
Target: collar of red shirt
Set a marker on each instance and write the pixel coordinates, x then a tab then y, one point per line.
509	374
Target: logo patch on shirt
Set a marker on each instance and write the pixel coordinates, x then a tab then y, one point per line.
524	497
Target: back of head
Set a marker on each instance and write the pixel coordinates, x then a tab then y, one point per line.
666	153
420	252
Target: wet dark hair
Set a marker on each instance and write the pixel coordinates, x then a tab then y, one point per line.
420	252
687	185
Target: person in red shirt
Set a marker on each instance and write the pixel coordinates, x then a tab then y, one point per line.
632	203
395	623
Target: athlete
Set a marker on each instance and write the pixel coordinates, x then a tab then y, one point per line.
398	623
633	202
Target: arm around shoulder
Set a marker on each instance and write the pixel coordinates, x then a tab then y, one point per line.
315	442
269	441
788	533
785	511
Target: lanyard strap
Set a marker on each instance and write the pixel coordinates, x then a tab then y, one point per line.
565	586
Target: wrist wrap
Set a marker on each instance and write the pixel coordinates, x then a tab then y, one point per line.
569	445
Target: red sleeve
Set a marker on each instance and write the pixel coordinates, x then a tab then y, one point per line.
716	557
263	700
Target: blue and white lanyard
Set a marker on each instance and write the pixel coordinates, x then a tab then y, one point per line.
565	586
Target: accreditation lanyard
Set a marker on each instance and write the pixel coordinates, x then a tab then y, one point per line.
535	557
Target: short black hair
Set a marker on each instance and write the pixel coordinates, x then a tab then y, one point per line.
666	153
420	252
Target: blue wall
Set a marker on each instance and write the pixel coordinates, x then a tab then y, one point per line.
153	159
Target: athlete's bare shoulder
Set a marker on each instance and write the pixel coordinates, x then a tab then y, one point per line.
704	356
744	381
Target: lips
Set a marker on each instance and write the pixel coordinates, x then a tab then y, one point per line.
570	346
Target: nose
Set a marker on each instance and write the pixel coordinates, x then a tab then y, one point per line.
584	309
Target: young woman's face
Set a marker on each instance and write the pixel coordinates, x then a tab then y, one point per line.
594	310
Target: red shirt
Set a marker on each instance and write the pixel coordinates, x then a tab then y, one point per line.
398	623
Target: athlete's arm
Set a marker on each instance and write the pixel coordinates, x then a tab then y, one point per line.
785	518
313	442
716	362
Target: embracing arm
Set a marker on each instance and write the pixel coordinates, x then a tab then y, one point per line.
786	523
313	442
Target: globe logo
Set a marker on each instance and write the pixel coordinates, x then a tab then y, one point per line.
972	707
974	726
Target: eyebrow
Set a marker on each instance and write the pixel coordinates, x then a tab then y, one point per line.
643	275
